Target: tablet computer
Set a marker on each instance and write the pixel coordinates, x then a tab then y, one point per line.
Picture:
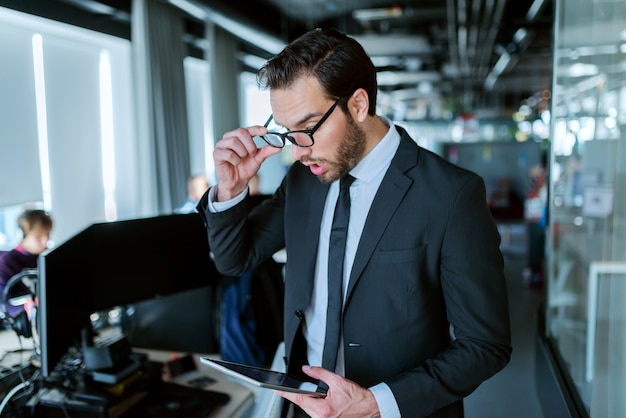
265	378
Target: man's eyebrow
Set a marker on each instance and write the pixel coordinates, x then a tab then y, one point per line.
302	120
308	116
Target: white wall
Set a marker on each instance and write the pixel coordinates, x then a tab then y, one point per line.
199	108
71	140
68	125
19	158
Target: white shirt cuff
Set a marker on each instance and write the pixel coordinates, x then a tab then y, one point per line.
215	207
387	404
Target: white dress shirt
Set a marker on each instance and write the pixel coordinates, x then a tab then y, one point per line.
369	173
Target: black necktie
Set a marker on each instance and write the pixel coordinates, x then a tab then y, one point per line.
336	252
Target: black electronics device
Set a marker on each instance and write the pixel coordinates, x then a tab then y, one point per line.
20	323
180	365
161	324
170	400
151	398
114	264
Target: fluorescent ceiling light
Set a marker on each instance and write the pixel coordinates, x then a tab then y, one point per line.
368	15
260	39
252	61
42	119
392	78
578	69
394	44
534	10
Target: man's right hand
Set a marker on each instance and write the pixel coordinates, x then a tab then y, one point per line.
237	160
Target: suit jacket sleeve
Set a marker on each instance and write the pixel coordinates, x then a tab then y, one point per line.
242	237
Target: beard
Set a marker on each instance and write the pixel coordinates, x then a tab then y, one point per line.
349	153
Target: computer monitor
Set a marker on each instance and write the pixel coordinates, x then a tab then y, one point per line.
114	264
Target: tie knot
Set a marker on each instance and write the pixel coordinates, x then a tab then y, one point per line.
345	182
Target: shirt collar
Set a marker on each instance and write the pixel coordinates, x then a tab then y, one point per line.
19	248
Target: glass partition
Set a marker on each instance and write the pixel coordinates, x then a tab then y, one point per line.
586	271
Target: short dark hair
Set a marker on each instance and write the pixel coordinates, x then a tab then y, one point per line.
338	61
34	217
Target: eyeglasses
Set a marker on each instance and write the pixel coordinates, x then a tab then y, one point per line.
300	138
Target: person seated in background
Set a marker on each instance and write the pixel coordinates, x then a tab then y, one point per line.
36	226
196	186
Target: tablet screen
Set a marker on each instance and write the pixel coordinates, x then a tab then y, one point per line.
264	377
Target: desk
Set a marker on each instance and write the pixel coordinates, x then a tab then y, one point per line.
241	398
9	341
241	401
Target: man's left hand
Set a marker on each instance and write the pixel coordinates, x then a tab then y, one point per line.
344	397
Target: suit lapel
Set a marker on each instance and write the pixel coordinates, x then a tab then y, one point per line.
392	190
311	216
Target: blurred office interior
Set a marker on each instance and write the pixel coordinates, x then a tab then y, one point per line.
107	106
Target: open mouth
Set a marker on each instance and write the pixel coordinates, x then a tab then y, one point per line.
317	169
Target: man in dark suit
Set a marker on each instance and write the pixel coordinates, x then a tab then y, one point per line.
425	315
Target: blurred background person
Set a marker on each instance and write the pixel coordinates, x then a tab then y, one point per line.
196	186
36	226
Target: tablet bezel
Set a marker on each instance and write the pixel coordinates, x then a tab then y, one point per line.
237	371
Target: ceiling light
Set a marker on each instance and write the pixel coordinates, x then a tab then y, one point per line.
368	15
394	78
252	61
578	69
385	61
236	28
93	6
534	10
394	44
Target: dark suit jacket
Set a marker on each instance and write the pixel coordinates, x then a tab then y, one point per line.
428	266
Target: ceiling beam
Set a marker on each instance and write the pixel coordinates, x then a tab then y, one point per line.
244	32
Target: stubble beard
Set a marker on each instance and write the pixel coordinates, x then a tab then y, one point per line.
349	152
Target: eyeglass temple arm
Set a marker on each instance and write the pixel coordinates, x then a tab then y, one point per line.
326	116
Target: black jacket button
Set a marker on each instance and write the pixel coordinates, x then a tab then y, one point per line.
299	314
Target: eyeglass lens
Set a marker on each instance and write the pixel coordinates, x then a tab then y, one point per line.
301	138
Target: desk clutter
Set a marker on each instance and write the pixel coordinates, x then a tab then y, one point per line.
132	386
164	297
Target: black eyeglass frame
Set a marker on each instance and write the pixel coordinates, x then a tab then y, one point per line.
285	136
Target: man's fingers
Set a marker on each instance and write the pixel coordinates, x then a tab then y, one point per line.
228	155
245	137
257	130
303	401
265	152
239	141
319	374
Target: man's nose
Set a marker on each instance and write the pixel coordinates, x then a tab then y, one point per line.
298	152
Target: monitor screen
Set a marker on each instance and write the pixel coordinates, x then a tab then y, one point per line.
113	264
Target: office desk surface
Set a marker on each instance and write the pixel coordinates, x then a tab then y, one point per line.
14	351
9	341
241	398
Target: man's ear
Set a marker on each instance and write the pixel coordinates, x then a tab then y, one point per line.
359	105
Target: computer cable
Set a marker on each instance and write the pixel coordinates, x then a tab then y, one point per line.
12	393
